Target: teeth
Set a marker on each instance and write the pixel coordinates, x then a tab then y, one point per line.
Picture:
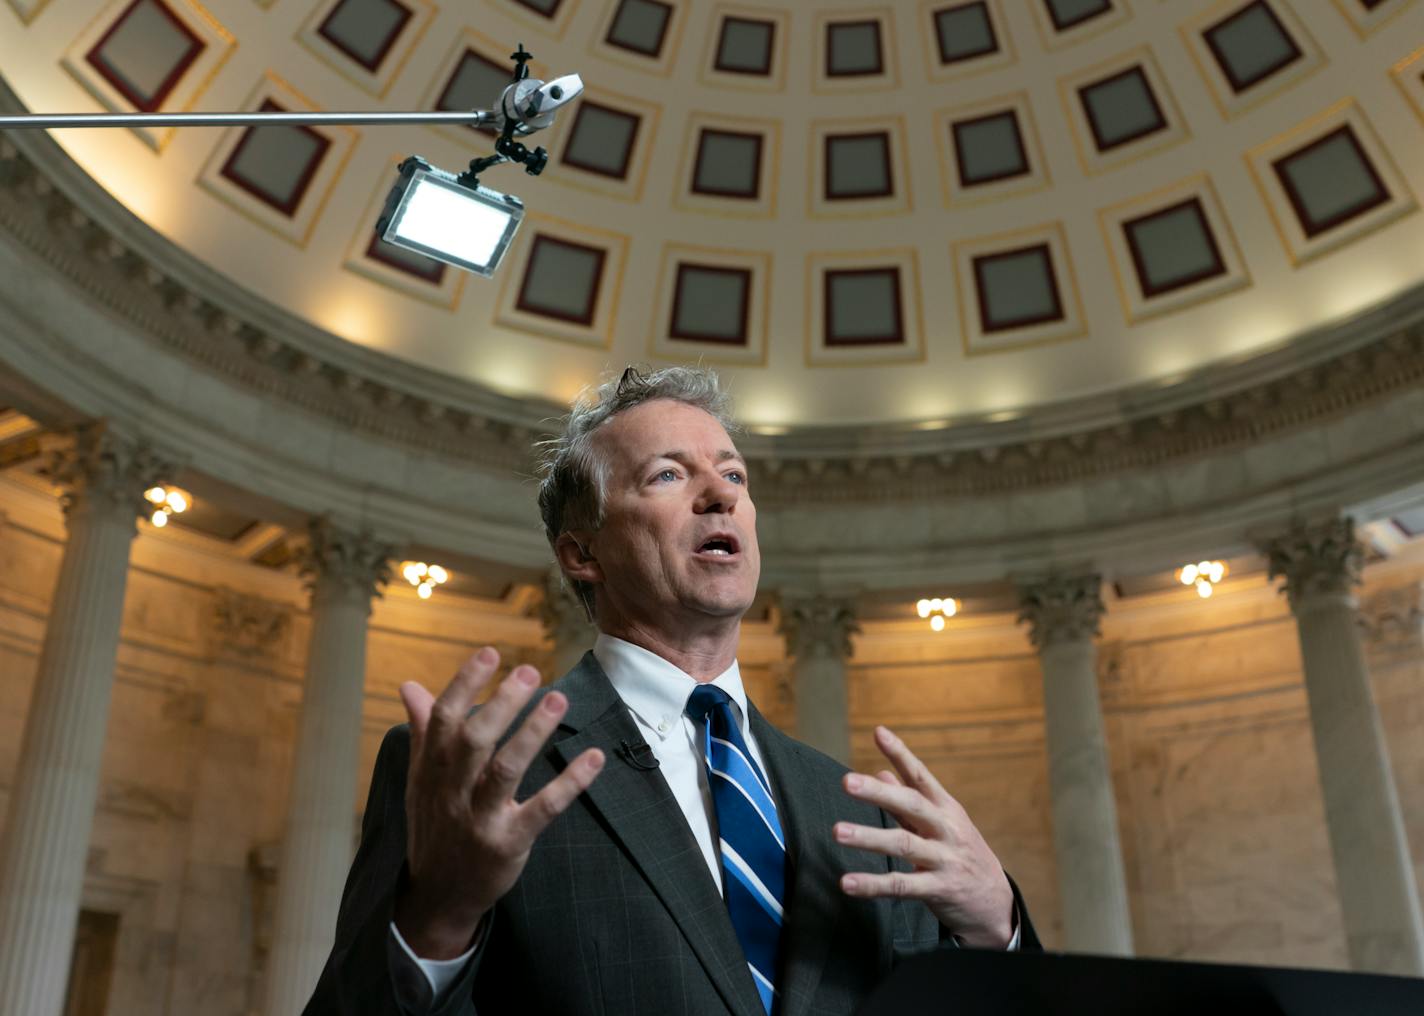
717	550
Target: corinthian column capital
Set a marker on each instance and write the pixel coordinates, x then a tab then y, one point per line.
1321	558
1061	608
818	626
99	470
345	562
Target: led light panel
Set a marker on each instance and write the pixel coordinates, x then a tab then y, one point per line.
430	212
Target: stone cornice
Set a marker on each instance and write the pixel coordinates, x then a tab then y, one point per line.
63	218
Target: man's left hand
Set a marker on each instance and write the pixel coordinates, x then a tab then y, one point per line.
955	873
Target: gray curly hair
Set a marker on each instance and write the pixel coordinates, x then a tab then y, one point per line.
573	476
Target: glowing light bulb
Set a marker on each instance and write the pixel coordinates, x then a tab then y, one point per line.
1189	574
923	608
160	519
936	604
177	501
411	571
1218	571
1204	589
438	574
155	495
937	622
424	590
951	606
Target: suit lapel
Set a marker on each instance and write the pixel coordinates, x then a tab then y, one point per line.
648	824
814	898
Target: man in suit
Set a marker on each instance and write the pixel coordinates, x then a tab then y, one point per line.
637	838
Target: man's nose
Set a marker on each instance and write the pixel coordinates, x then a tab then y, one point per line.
717	496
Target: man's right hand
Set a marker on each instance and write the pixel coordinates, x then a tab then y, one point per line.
467	838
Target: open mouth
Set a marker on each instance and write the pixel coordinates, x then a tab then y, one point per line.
719	545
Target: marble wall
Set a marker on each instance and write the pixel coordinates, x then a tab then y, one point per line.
1222	823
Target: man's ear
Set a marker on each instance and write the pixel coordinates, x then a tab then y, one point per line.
572	550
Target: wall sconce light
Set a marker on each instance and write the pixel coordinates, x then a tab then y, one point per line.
937	610
1204	575
425	577
166	501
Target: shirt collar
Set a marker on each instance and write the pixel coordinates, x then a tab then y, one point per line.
655	690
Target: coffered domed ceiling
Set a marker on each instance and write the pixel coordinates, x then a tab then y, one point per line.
911	212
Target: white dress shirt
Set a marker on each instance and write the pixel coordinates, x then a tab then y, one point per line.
656	694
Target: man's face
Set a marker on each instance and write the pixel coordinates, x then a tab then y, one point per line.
678	541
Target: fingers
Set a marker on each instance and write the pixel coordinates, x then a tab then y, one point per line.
503	772
912	771
914	885
418	702
485	729
560	792
459	695
890	842
909	806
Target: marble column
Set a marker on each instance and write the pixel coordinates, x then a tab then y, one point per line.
566	623
1383	928
46	843
345	570
817	630
1063	612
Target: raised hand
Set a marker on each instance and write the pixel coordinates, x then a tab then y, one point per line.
955	873
467	838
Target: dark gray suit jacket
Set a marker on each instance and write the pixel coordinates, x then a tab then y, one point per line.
615	912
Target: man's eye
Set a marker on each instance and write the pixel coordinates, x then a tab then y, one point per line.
737	476
666	474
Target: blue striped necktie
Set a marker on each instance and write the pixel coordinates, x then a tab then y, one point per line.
753	849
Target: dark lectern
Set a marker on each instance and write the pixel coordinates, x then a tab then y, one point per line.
968	982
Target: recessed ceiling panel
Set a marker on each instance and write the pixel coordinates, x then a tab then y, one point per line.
1121	108
858	166
728	164
710	303
147	55
1330	181
278	177
365	30
989	148
276	164
477	82
561	279
601	139
1017	289
1251	45
989	151
1173	247
855	51
1066	14
640	26
964	32
862	307
745	46
603	143
853	48
144	53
